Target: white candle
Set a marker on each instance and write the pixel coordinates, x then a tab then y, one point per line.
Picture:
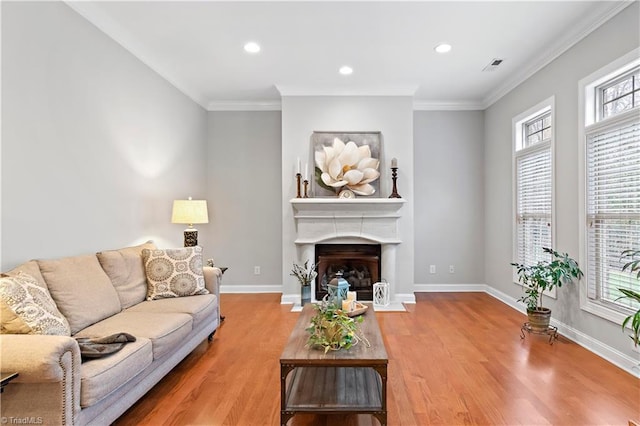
306	170
394	162
351	295
298	169
347	305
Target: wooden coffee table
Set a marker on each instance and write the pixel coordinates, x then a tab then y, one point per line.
339	382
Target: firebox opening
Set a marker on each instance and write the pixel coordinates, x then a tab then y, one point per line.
359	264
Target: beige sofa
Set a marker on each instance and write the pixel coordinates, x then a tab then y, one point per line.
101	294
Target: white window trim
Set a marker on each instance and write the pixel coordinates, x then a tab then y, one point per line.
517	122
588	116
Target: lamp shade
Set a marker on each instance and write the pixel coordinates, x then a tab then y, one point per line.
190	212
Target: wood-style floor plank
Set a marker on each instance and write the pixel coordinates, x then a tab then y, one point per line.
454	359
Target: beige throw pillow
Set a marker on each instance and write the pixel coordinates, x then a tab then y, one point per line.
27	308
174	272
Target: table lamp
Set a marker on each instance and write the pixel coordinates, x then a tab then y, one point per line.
189	212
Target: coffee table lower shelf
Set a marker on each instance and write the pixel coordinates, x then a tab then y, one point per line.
334	390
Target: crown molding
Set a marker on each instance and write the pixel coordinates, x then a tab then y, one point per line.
113	30
264	105
408	90
590	24
420	105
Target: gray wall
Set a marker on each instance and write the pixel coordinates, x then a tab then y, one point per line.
243	188
95	145
393	117
560	78
449	196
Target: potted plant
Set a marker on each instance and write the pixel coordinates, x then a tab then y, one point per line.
634	266
333	329
543	276
305	275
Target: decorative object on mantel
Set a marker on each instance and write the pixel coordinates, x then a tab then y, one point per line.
394	177
306	188
352	165
298	179
305	275
333	329
189	212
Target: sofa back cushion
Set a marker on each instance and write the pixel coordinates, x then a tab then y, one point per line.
125	268
30	268
81	289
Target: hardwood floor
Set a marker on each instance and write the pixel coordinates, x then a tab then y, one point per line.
454	359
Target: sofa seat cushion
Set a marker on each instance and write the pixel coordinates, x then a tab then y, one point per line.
165	330
81	289
125	268
101	376
201	308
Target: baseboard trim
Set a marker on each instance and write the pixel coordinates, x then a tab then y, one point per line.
405	298
290	299
614	356
250	289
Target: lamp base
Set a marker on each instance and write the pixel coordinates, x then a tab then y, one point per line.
190	237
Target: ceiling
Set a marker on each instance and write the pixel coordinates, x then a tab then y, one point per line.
198	46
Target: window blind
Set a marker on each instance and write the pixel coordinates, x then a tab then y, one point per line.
613	207
533	192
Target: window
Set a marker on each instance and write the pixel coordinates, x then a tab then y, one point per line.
533	183
611	147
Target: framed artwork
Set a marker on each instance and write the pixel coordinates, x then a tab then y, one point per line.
346	164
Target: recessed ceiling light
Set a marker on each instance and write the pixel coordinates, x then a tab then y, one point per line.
346	70
252	47
443	48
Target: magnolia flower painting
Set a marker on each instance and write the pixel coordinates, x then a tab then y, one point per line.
351	165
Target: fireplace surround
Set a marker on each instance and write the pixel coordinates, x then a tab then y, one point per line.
368	221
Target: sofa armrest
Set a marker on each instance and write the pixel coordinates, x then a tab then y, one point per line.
48	385
212	280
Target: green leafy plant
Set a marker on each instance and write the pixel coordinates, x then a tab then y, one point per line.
545	275
305	274
633	266
332	329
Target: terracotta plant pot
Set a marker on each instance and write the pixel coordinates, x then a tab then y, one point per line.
539	319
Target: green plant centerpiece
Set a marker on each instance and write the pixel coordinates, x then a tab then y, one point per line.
332	329
544	276
634	267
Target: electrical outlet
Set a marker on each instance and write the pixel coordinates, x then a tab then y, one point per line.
256	270
452	269
432	269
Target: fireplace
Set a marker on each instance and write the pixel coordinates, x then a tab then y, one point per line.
340	222
359	264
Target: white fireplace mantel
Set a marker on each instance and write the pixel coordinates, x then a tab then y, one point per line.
350	221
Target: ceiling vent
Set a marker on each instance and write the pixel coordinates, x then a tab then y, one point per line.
493	65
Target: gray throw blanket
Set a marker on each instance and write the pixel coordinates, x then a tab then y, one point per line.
97	347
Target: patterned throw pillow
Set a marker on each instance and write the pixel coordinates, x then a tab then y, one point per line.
174	272
34	309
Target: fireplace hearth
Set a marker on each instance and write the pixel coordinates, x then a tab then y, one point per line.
358	263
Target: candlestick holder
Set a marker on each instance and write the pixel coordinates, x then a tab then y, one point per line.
306	187
298	177
394	177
